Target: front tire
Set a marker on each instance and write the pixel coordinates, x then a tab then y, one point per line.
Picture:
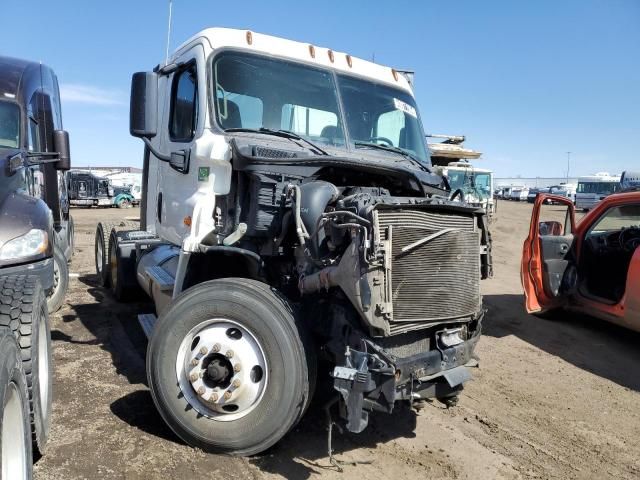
16	454
23	309
242	368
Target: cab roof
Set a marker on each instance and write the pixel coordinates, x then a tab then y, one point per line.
12	75
218	38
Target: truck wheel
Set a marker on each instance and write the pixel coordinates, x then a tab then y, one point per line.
122	267
56	296
16	455
23	308
124	203
101	249
243	375
72	236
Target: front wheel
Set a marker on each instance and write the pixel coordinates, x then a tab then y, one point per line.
16	455
243	370
56	296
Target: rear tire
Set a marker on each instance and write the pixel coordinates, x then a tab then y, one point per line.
16	454
268	323
23	308
56	296
122	266
101	247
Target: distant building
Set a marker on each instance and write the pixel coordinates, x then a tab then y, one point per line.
533	182
103	170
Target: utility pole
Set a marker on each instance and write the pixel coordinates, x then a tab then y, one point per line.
166	58
568	165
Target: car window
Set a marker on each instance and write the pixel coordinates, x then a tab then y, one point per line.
615	218
184	105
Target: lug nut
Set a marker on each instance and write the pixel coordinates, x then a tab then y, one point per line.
229	354
201	391
236	367
194	362
193	377
216	348
213	397
227	395
236	383
204	350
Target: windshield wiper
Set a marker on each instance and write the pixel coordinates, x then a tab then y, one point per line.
279	133
398	150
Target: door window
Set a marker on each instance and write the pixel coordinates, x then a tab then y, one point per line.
184	105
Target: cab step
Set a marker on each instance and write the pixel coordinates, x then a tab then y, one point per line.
147	322
160	277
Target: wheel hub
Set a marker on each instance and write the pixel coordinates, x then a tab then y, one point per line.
221	369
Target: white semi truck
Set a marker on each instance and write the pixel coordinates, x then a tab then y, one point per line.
293	237
451	159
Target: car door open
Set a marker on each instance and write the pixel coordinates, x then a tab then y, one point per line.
547	252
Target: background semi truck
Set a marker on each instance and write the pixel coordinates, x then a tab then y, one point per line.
294	239
36	242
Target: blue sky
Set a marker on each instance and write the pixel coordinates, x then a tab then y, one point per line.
524	81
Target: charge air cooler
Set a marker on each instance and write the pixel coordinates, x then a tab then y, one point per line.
432	266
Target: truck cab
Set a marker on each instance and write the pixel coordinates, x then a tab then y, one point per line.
294	237
89	190
36	236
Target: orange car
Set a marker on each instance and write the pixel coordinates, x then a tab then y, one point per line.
592	267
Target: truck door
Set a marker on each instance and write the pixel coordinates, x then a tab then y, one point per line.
183	122
547	252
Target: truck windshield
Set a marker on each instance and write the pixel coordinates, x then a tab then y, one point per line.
259	92
9	125
480	183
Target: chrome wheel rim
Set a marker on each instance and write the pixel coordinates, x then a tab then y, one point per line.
44	366
56	279
222	369
14	454
100	256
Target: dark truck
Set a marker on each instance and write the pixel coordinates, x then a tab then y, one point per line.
89	190
36	242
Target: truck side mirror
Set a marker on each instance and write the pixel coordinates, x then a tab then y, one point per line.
61	145
144	105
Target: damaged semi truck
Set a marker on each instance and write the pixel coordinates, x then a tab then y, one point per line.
293	238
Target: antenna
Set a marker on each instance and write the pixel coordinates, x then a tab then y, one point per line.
166	58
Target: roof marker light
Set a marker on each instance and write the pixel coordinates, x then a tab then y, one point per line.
349	61
330	52
395	74
249	37
312	51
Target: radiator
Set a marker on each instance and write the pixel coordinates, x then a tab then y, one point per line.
438	280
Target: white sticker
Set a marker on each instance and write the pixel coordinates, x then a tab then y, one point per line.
405	107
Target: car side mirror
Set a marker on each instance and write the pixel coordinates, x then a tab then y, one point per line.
179	161
61	145
144	105
551	228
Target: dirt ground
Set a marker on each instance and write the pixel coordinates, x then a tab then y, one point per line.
550	399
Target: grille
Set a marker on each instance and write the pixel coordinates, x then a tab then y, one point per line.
406	344
438	280
266	152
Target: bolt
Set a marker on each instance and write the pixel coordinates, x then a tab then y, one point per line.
213	397
203	350
236	383
201	391
227	395
194	362
236	367
229	354
216	348
193	377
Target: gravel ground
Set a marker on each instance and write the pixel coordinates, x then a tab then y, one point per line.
550	399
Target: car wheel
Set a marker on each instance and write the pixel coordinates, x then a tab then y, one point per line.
16	454
56	296
23	308
243	369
